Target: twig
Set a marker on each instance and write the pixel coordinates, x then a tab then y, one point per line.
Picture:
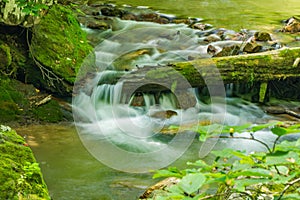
246	138
288	186
46	73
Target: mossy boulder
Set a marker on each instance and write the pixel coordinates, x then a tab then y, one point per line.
20	176
49	112
59	45
18	104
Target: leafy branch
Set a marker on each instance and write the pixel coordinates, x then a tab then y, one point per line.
235	173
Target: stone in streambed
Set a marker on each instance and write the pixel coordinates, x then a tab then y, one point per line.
166	114
262	36
292	25
252	47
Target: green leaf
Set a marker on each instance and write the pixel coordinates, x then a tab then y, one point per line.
263	126
242	183
279	131
192	182
287	158
236	129
258	172
171	172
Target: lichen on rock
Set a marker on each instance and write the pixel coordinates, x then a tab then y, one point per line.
20	176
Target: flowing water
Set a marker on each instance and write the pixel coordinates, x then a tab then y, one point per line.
116	140
229	14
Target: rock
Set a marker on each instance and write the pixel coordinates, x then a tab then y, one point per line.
97	24
59	47
262	36
228	51
11	13
292	25
18	104
111	11
20	177
252	47
159	187
166	114
212	38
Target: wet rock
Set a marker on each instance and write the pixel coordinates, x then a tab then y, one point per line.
212	38
201	26
159	187
111	11
292	25
166	114
252	47
228	51
97	24
148	17
262	36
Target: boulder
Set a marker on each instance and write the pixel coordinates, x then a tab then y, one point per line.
292	25
59	46
20	176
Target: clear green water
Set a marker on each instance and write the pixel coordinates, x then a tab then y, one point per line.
72	173
230	14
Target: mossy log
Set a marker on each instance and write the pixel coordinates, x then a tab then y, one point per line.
258	67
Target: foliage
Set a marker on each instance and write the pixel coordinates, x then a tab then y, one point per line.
31	7
20	176
274	174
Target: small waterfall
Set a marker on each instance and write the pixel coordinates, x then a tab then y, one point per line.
124	135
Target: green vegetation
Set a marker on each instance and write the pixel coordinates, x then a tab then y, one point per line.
233	174
49	112
31	7
59	45
20	176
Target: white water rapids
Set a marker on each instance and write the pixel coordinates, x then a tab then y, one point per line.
126	137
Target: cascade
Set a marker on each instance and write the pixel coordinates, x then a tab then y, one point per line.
116	128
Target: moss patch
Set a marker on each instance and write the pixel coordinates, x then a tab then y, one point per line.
17	103
20	176
49	112
59	43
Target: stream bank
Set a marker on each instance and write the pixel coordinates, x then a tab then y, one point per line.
20	177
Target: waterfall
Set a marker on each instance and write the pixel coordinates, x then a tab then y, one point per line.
124	134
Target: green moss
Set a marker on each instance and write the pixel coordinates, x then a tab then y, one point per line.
49	112
5	56
8	107
59	43
20	176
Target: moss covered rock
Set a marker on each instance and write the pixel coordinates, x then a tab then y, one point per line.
59	44
20	176
49	112
18	103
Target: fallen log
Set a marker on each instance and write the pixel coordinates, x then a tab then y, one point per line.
259	67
